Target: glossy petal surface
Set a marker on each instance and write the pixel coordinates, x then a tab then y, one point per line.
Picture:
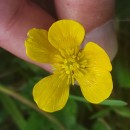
95	83
38	47
66	34
51	93
96	56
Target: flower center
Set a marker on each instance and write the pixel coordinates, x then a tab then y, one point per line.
69	62
70	65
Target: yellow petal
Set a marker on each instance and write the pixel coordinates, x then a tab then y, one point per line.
96	56
51	93
96	84
38	47
65	34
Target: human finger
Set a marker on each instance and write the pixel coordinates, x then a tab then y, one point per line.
17	17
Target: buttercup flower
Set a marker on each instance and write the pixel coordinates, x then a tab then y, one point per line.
60	46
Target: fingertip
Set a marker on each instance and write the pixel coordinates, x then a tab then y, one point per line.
89	13
105	36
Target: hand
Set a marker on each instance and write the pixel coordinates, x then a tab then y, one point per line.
18	16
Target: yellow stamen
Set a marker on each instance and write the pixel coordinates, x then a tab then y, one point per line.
71	62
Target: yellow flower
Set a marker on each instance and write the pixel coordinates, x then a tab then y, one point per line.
60	46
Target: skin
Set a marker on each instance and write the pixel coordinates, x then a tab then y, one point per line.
90	13
18	16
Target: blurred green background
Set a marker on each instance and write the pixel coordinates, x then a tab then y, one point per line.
17	78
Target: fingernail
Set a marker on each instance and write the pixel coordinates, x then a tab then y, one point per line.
105	36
